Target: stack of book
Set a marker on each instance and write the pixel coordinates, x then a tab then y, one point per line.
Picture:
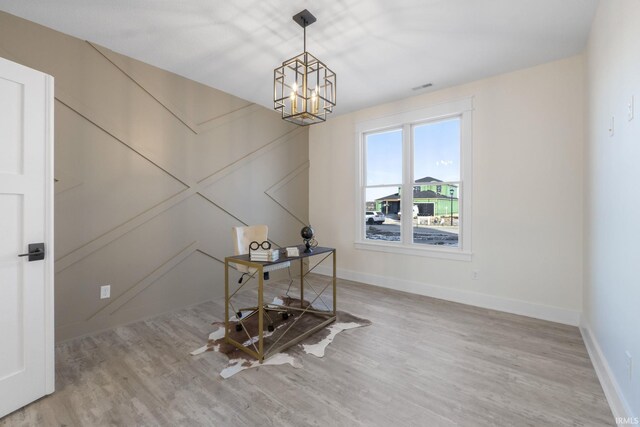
265	255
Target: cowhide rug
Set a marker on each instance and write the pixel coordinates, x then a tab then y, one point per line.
314	344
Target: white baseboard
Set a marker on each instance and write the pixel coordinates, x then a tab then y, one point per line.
612	391
538	311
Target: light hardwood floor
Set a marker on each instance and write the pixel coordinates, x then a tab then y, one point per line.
423	362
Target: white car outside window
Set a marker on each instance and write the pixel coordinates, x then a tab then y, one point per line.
371	217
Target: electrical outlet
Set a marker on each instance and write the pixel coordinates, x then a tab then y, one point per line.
105	291
475	274
629	364
630	109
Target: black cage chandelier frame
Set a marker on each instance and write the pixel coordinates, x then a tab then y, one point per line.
304	88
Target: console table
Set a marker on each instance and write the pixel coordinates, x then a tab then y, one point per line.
256	346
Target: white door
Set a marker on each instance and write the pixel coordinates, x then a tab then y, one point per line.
26	217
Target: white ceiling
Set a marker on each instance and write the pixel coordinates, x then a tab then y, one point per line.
379	49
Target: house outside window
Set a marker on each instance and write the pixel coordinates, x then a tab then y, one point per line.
415	168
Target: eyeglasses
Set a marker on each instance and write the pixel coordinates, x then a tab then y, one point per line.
254	246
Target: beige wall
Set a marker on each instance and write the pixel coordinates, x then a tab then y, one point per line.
527	197
152	172
612	260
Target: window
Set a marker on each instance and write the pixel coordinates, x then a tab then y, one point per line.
415	170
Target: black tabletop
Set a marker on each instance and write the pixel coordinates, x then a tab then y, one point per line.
283	255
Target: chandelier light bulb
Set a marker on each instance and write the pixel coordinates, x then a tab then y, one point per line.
314	101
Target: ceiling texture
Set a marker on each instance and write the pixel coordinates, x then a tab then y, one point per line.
379	49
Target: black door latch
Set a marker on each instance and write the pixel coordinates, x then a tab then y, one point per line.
36	252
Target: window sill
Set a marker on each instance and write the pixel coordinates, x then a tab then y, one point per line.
442	253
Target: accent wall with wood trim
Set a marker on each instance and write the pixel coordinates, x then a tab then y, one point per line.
152	171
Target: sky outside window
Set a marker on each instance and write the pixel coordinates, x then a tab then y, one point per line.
384	158
436	150
436	154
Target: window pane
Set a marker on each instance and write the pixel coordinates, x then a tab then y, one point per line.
436	214
436	151
384	157
381	219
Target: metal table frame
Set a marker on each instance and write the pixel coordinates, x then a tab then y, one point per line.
258	351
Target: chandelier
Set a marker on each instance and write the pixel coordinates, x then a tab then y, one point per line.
304	89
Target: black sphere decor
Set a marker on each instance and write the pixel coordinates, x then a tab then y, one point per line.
307	237
307	232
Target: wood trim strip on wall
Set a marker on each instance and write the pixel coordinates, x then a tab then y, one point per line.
147	281
171	109
278	185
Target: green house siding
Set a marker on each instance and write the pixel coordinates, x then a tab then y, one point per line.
441	189
388	206
432	199
443	204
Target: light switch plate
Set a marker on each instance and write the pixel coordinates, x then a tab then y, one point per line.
612	126
630	109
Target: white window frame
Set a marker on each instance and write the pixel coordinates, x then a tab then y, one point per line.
463	109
